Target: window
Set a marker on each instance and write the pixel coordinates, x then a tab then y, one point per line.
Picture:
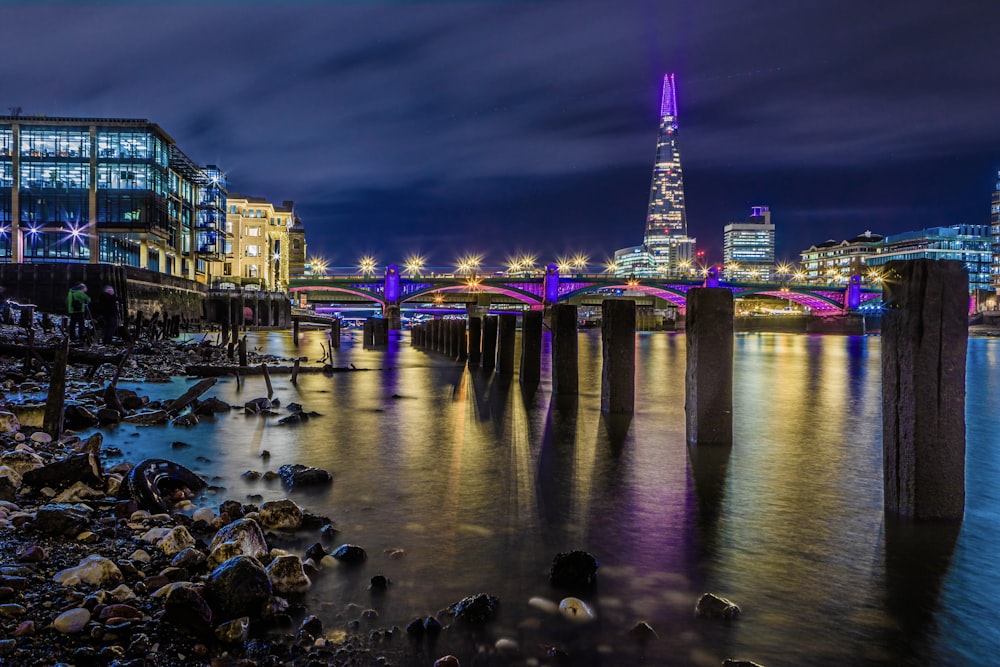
253	231
252	251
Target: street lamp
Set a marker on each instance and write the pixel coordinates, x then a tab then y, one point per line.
367	265
414	264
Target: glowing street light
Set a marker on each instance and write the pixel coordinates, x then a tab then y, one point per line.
579	261
367	265
414	264
317	266
469	263
610	266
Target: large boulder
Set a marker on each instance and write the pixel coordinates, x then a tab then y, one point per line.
280	514
711	605
574	570
62	519
296	475
187	609
93	570
238	587
239	538
21	461
287	576
476	609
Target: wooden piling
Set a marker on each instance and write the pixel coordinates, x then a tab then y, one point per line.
335	333
531	346
243	351
490	326
507	334
295	332
52	422
267	381
709	377
475	340
565	371
924	343
618	320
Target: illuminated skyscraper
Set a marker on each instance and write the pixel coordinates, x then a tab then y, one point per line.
666	215
995	234
666	247
748	247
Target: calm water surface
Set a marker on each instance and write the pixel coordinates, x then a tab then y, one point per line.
481	482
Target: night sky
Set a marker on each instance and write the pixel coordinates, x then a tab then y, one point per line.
458	127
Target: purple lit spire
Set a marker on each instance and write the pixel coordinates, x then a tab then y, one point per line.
668	103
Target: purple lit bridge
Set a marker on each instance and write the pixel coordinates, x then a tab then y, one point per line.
449	292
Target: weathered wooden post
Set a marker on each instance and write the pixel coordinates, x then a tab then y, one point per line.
295	332
368	333
55	414
475	340
709	377
243	351
565	373
463	341
531	346
507	334
451	349
335	333
490	325
618	343
924	342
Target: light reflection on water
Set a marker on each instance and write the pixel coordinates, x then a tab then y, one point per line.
482	481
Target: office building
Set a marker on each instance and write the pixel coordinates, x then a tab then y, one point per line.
257	256
668	249
995	236
296	249
835	262
969	244
117	191
748	247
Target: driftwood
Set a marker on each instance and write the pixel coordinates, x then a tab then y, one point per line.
111	399
204	370
267	381
190	396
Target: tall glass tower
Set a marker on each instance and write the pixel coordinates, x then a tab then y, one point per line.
995	234
666	248
666	215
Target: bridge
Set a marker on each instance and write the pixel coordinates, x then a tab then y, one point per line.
392	290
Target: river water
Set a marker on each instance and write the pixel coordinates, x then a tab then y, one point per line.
481	482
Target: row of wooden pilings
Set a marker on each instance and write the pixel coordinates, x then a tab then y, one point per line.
924	343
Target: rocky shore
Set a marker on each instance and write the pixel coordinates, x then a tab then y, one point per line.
113	564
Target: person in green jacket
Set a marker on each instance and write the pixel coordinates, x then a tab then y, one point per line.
77	305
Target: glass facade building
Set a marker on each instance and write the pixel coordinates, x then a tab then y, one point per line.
668	248
995	236
969	244
748	247
115	191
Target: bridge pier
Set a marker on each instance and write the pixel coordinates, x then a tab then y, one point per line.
709	377
924	342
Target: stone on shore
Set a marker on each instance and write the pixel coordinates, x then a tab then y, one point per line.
93	570
299	475
186	608
574	570
72	621
62	519
287	575
281	514
714	606
242	537
238	587
476	609
9	423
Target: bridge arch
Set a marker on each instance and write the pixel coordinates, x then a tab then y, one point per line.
346	290
514	293
675	294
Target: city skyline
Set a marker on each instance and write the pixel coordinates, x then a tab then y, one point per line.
447	128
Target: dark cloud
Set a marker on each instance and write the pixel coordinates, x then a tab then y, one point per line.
527	125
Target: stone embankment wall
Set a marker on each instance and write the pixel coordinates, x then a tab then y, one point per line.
45	285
